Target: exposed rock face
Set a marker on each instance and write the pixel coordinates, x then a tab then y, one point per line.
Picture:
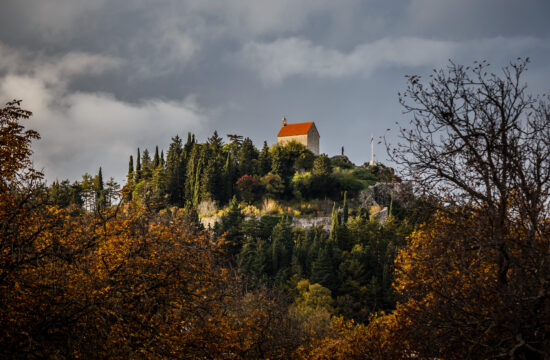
366	199
401	193
382	215
307	223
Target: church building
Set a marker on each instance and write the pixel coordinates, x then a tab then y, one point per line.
303	133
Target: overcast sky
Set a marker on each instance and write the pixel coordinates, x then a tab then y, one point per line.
104	76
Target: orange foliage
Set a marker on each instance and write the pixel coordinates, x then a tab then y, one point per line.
122	282
454	306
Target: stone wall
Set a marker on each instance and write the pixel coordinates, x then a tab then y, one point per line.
304	223
301	139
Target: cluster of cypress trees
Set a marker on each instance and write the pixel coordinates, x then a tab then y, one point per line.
193	171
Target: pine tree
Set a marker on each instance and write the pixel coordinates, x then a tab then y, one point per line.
111	191
146	165
247	158
247	257
232	226
215	143
281	245
264	161
162	158
322	271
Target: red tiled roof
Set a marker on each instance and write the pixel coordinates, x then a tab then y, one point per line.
295	129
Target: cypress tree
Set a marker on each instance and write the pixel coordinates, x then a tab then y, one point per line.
138	167
334	219
175	172
345	209
228	177
131	166
99	190
190	175
197	184
188	145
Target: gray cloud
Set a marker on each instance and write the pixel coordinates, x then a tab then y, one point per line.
104	77
283	58
82	130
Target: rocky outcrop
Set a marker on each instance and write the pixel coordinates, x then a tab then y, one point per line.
306	223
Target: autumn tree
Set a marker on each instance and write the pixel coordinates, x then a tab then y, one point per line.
481	144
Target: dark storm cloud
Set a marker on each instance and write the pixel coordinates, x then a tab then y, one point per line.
104	77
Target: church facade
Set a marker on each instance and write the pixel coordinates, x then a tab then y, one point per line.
303	133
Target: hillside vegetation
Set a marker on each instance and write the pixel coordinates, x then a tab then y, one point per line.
458	269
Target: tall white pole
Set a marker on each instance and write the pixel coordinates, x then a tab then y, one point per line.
371	150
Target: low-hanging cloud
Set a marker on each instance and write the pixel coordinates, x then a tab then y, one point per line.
275	61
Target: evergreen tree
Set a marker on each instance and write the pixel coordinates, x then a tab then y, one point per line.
264	161
281	246
322	271
191	175
247	158
210	183
189	144
232	226
138	168
345	209
322	166
99	190
156	159
334	219
228	177
111	191
247	257
215	143
162	158
131	166
146	165
197	183
175	172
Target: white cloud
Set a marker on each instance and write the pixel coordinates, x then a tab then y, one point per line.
81	130
283	58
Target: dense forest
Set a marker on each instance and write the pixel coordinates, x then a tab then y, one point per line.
454	267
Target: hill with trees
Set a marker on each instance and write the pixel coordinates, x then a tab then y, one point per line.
458	269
